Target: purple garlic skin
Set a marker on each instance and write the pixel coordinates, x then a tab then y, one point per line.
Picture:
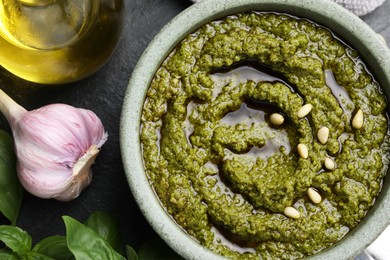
55	146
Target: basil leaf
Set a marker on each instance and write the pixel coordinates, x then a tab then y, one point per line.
131	254
156	249
86	243
15	239
55	247
106	227
6	145
8	255
37	256
11	192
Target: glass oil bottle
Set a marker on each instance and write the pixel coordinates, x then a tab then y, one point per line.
58	41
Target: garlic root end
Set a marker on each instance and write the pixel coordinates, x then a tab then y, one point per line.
82	166
82	175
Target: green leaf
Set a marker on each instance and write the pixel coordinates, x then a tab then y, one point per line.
15	239
8	255
11	192
131	254
37	256
6	145
156	249
106	227
86	243
55	247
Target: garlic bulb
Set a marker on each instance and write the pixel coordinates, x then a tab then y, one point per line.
55	146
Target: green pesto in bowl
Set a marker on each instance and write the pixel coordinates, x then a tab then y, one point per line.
351	30
227	174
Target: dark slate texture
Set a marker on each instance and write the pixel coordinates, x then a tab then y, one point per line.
103	93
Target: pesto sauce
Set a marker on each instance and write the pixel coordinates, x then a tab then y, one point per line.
225	174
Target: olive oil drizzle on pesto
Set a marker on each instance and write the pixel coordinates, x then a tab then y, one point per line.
220	176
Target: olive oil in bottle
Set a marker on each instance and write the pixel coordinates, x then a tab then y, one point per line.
58	41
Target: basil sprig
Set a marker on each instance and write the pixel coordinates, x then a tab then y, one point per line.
97	238
85	243
17	240
54	247
93	240
106	227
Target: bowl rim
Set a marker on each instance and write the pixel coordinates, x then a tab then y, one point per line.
325	12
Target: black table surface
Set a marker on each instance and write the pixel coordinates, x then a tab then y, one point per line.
103	93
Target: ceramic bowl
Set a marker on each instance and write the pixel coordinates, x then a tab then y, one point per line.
343	23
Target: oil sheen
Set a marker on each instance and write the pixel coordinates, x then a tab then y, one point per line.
58	41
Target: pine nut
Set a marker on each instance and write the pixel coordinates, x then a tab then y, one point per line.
314	196
303	151
276	119
357	121
304	110
292	212
329	163
323	135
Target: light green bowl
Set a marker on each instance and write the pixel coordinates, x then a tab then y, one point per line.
346	25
